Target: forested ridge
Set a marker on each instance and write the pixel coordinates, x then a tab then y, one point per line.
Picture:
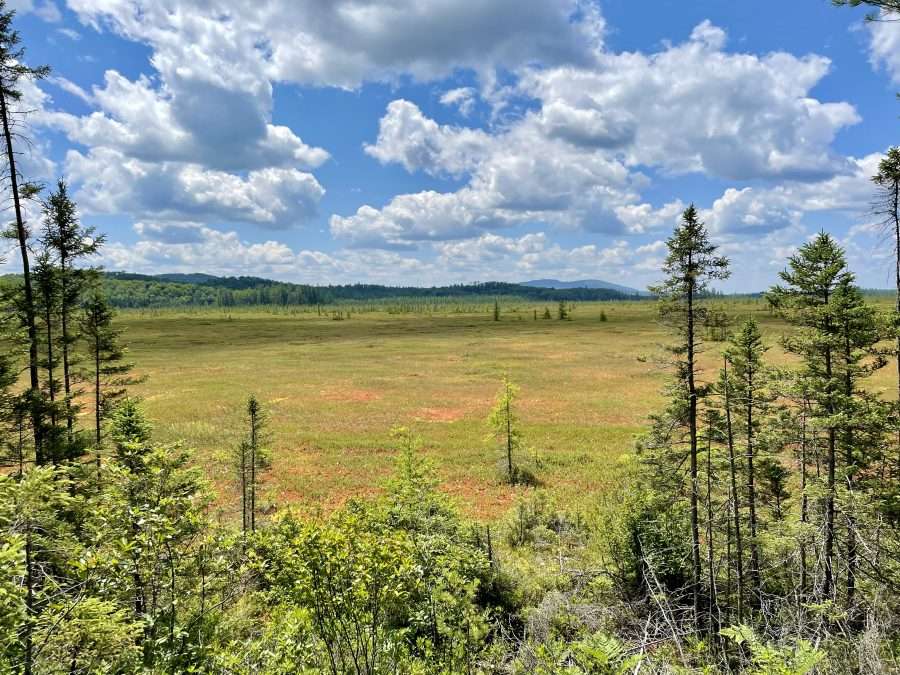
139	291
757	529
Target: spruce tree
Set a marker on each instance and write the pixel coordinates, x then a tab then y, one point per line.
70	242
861	425
108	370
887	208
13	71
813	278
690	265
251	458
56	445
504	426
47	305
11	419
725	387
749	399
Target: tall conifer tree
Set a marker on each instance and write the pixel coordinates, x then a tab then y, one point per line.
70	242
750	399
13	71
813	278
690	266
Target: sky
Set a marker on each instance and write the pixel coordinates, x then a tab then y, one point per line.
425	142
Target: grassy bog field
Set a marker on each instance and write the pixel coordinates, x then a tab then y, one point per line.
335	388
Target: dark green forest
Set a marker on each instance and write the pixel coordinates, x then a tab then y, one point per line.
173	290
140	291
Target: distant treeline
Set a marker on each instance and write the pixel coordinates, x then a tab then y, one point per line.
199	290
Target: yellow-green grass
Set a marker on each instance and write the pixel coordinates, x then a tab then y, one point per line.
334	389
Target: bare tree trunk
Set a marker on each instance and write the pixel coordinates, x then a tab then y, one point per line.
253	442
244	488
710	544
35	387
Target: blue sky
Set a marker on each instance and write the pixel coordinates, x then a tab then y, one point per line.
434	141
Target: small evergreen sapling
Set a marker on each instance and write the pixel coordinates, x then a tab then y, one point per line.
505	429
251	458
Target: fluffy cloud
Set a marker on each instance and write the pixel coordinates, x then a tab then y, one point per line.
422	216
113	183
573	160
583	133
186	125
747	212
171	151
179	247
640	218
407	137
755	211
169	247
198	248
884	46
46	10
533	255
697	108
462	98
345	42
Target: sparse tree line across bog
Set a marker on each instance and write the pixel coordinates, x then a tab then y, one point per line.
758	529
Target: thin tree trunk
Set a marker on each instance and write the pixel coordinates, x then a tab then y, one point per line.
895	213
253	441
736	502
29	602
244	488
804	501
755	583
848	458
98	397
710	544
67	383
35	387
728	572
696	570
20	447
51	386
509	460
828	580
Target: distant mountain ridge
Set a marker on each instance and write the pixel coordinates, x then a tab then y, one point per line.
583	283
